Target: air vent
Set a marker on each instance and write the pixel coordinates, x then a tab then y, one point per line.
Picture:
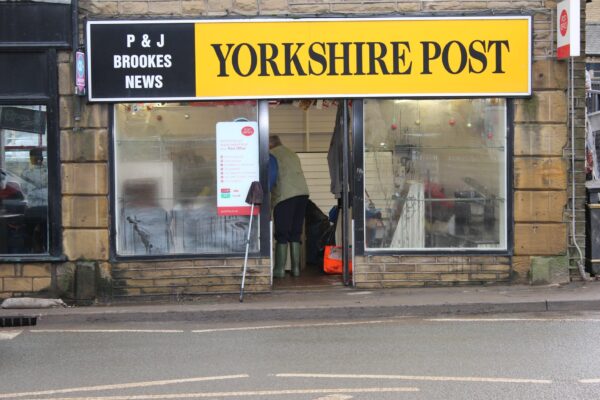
9	322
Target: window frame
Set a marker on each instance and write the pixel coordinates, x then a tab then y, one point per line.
49	99
262	109
358	201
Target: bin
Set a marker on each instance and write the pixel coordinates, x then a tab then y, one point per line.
592	227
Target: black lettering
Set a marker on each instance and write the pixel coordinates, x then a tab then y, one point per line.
292	58
446	57
401	56
498	44
437	51
236	59
264	60
359	58
319	58
478	55
345	57
222	58
373	58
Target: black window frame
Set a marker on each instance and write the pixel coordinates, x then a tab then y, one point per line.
265	208
49	99
358	201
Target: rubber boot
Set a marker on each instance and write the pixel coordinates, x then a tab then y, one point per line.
280	260
295	258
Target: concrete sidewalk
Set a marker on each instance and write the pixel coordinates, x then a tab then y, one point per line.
335	304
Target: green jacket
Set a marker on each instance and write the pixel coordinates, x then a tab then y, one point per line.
290	180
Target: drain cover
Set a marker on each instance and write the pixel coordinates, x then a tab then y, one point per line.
6	322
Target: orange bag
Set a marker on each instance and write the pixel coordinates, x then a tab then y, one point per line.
332	260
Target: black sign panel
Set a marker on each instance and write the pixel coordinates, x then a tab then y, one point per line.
140	61
23	120
39	24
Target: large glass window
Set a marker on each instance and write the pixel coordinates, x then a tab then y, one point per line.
435	174
23	180
166	167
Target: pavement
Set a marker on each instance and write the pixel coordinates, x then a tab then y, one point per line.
335	304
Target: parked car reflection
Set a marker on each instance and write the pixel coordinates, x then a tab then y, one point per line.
12	198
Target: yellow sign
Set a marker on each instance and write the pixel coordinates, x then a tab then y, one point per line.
486	56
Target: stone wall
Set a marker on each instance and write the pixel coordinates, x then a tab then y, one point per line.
175	280
417	271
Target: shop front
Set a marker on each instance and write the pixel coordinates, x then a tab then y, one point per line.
422	157
431	158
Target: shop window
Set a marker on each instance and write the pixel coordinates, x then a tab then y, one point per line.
23	180
166	179
435	174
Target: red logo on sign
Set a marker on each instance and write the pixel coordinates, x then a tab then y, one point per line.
564	22
247	131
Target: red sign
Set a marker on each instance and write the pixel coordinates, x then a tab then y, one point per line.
564	22
247	131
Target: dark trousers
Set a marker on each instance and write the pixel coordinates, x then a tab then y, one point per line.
289	217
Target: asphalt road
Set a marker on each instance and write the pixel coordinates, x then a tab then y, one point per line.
517	356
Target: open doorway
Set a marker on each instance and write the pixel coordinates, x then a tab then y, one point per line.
307	127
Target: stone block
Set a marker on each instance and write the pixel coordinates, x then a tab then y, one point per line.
65	106
245	7
540	173
499	268
521	269
539	206
134	7
94	115
209	263
221	6
401	268
549	74
85	211
18	284
400	284
549	270
455	277
540	239
453	259
370	285
66	81
440	268
549	106
88	244
417	260
37	270
79	178
310	8
193	7
540	139
453	5
99	8
7	270
171	282
42	284
273	6
363	7
84	145
488	277
164	8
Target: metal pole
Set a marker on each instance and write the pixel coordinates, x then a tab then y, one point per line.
246	254
345	199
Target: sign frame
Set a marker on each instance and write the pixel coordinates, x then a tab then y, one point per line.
568	25
399	94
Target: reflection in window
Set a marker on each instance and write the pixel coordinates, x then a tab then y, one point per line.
166	180
435	174
23	180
